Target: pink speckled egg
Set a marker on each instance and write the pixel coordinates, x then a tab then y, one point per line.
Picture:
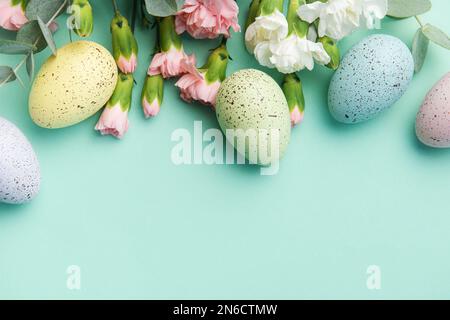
433	119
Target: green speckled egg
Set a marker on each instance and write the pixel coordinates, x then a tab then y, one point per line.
249	102
72	86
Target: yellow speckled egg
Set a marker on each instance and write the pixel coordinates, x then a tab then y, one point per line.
72	86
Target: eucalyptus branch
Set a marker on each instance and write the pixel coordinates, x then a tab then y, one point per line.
21	63
419	21
57	12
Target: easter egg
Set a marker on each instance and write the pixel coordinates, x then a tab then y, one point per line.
373	75
19	167
73	85
251	107
433	119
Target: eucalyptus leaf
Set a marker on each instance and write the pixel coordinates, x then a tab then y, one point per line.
14	47
407	8
31	33
47	35
163	8
419	49
45	9
6	74
30	65
436	35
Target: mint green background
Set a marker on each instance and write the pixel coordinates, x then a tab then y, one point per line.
346	197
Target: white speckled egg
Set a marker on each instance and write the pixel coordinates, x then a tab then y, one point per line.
72	86
250	101
19	167
373	75
433	119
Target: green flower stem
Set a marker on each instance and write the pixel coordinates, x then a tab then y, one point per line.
268	7
332	50
115	7
216	65
124	42
296	25
168	37
252	12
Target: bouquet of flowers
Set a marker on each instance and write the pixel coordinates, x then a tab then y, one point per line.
306	35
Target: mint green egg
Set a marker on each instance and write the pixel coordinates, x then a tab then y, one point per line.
251	107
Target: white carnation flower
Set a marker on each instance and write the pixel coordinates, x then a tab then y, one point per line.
373	11
295	53
339	18
272	27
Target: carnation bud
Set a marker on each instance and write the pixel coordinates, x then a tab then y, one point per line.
125	47
114	119
152	95
216	65
84	20
293	90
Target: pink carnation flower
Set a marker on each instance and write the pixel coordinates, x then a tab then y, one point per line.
113	121
12	17
169	64
194	86
208	18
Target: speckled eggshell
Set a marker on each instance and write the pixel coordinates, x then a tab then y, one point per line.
373	75
250	99
19	167
433	119
72	86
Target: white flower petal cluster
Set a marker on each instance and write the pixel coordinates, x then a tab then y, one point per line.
339	18
273	27
295	53
267	38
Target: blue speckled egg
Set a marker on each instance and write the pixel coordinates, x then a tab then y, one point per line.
373	75
19	168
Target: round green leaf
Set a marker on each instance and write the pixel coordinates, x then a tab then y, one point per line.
30	65
14	47
436	35
45	9
47	35
6	74
407	8
31	33
163	8
419	49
